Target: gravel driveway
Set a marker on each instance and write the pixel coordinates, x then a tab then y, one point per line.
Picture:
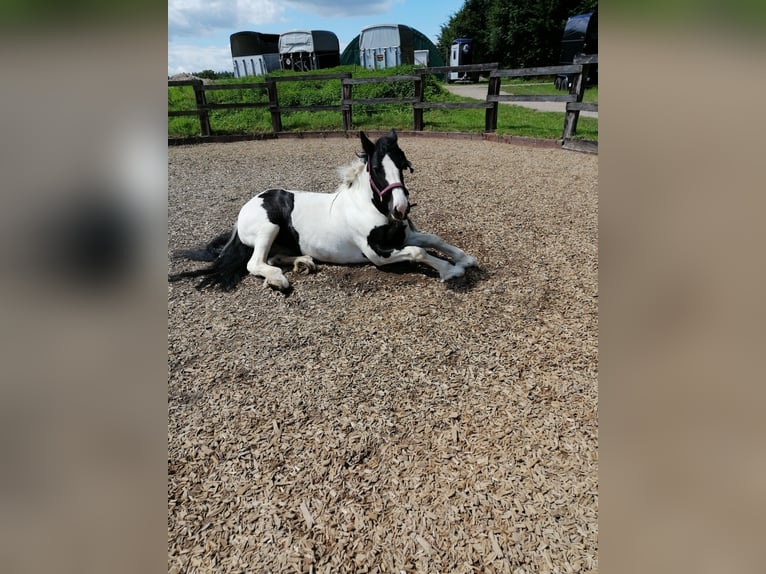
479	92
379	420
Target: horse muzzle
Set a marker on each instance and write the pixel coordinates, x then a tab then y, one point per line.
400	214
399	207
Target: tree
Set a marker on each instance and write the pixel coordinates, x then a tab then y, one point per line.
514	33
211	75
469	22
206	74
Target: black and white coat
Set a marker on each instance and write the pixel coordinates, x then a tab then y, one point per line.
365	220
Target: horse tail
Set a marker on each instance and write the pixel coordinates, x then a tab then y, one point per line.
229	262
208	252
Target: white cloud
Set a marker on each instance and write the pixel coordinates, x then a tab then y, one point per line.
206	17
195	18
189	58
342	8
217	19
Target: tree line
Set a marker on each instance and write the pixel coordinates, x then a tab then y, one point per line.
514	33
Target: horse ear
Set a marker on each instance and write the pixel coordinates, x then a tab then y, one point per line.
367	145
392	135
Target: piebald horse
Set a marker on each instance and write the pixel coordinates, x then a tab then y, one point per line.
365	220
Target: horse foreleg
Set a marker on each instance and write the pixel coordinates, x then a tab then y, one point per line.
411	253
431	241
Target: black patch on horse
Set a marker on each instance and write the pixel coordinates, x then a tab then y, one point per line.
385	239
279	205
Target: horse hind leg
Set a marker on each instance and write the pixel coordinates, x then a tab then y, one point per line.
258	265
303	264
273	276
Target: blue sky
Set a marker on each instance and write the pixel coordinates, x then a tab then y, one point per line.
199	30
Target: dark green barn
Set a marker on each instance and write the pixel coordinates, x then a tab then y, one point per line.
403	41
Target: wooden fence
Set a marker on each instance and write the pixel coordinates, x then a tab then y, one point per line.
573	100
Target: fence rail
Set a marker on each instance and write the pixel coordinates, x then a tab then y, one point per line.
574	104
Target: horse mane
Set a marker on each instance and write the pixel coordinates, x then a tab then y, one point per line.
349	173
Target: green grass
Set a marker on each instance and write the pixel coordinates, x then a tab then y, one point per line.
538	86
512	120
515	120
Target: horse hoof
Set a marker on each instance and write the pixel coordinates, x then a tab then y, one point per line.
304	266
453	273
280	283
467	261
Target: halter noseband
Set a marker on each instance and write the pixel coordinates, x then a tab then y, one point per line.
381	192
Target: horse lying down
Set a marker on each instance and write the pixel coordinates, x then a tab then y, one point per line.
365	220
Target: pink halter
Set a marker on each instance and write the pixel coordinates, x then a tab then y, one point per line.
374	187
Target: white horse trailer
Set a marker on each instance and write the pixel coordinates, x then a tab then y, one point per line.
385	46
254	53
305	50
461	54
255	65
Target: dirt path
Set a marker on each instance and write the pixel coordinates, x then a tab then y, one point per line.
378	420
479	92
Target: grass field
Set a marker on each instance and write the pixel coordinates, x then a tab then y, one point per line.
512	120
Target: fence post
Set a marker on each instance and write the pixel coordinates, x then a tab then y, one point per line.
345	108
490	116
276	116
204	117
570	120
417	113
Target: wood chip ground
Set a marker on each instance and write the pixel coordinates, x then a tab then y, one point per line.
377	420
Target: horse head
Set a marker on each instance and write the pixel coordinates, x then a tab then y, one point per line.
385	164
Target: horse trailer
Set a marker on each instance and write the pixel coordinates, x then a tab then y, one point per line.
306	50
386	46
461	54
254	53
580	37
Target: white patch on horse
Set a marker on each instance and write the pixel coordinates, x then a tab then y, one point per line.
349	173
398	201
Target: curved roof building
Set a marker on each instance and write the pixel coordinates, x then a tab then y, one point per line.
386	45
